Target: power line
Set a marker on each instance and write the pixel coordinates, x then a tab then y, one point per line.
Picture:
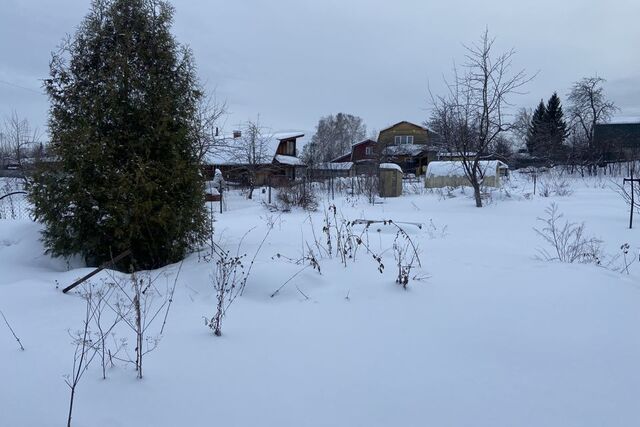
21	87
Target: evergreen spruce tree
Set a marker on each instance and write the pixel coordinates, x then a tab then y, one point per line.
556	127
536	137
124	171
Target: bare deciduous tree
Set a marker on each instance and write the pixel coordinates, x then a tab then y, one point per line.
334	137
208	122
589	106
470	117
520	126
18	137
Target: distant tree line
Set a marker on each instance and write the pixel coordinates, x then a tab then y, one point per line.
545	135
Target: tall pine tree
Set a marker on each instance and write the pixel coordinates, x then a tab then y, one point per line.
556	127
548	130
536	137
124	173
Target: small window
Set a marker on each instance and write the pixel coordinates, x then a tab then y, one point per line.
368	151
291	148
404	139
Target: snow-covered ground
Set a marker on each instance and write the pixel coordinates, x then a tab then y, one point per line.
490	336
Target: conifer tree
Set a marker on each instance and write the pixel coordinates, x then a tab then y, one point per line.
124	172
536	136
548	130
556	126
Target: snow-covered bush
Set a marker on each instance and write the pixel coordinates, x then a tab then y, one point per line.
567	240
554	184
298	194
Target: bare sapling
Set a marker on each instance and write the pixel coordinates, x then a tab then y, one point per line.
340	240
627	260
406	252
229	277
172	292
12	331
85	350
139	304
98	298
308	260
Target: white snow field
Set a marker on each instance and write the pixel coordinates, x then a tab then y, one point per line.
491	336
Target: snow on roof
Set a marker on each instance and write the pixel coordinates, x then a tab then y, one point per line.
456	154
488	168
232	151
287	135
363	142
405	150
288	160
335	166
229	155
390	166
337	159
399	123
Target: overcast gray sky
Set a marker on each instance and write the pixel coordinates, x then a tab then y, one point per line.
292	61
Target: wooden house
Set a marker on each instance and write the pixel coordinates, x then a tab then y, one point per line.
409	145
271	160
364	155
362	159
616	142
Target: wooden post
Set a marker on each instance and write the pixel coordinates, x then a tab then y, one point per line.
304	188
269	185
631	180
97	270
632	203
220	191
332	191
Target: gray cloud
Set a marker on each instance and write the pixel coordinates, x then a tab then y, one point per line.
292	61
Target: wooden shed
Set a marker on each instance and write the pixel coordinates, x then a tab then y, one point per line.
390	181
452	174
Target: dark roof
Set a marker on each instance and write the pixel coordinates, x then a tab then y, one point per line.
290	135
363	142
344	158
411	150
404	121
626	134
